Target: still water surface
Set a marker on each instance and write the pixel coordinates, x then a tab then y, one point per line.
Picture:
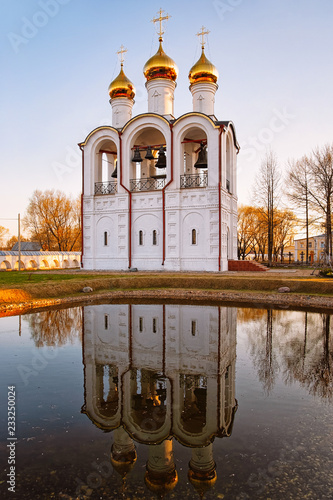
145	401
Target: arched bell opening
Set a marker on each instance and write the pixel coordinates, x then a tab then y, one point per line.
148	160
106	167
106	390
193	404
194	158
148	399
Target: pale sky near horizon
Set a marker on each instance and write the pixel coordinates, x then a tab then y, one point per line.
274	59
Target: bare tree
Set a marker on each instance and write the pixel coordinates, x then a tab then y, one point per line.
320	165
298	185
53	219
267	195
284	229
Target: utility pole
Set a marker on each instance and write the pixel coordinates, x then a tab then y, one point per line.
19	242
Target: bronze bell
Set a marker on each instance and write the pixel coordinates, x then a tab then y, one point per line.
161	162
158	176
149	154
202	157
114	173
137	157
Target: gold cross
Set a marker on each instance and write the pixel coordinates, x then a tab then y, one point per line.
122	51
202	33
160	19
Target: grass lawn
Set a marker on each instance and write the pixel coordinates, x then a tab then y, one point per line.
26	285
14	278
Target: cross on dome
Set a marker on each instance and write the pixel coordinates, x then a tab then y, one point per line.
202	33
122	51
160	19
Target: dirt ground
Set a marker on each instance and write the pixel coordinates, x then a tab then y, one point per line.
255	289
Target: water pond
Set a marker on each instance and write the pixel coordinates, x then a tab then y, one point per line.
176	401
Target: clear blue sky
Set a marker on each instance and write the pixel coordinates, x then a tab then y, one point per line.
274	58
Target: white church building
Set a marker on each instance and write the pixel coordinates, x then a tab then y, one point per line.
159	192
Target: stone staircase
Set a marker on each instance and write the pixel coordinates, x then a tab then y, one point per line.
245	265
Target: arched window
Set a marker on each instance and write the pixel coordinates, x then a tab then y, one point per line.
105	238
194	236
154	237
140	237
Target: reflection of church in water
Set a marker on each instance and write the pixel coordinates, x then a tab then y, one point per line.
158	372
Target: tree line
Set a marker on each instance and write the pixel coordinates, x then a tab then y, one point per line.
53	219
267	226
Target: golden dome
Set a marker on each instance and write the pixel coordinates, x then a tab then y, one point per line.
123	463
160	66
203	70
121	86
202	481
161	483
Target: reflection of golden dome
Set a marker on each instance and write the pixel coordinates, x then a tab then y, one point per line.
161	483
203	70
202	481
123	463
160	66
121	86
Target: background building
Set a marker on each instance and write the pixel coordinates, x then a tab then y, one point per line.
316	248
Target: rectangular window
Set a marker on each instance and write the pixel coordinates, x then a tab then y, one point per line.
106	321
193	328
194	237
105	238
154	325
140	324
310	245
140	238
154	237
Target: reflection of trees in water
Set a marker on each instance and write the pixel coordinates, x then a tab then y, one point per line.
261	348
56	327
308	358
298	344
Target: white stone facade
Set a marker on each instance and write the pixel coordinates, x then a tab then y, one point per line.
184	220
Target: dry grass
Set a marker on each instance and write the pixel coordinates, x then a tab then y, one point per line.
142	281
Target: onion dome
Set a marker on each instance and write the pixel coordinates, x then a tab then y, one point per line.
123	463
203	70
160	66
121	86
202	481
161	483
